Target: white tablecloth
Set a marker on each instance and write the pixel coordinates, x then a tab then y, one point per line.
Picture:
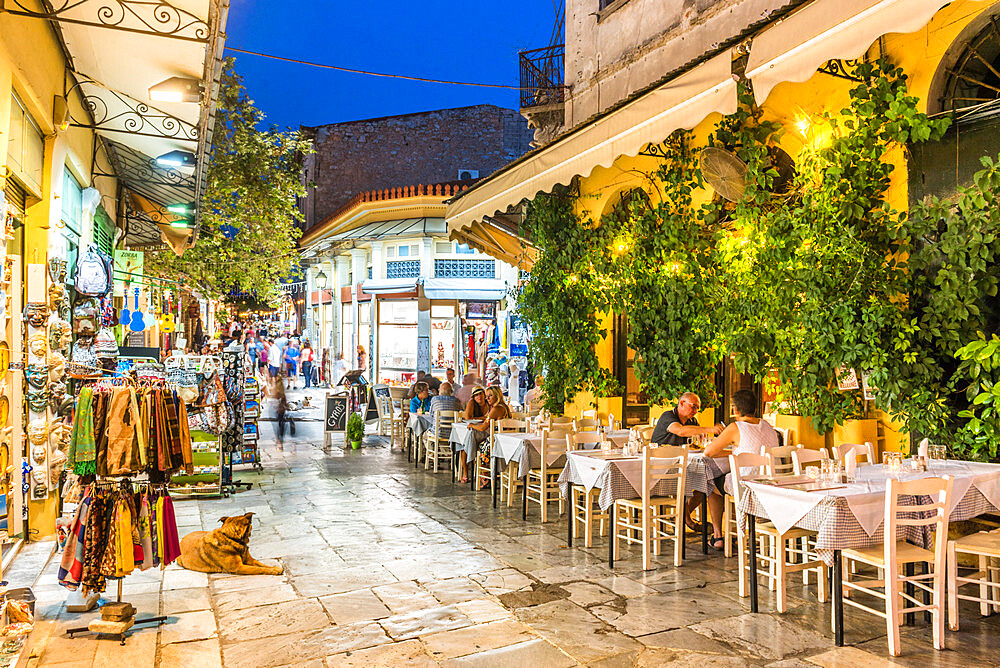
621	478
463	439
852	516
418	424
526	450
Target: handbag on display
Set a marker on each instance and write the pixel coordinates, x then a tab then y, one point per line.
211	391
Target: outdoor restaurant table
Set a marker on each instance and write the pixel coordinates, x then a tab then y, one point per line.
620	478
418	424
851	515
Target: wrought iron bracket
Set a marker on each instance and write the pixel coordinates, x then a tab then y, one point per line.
842	69
147	17
117	112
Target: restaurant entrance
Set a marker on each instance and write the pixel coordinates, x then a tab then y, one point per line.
634	399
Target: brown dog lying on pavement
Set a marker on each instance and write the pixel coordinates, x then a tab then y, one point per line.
224	550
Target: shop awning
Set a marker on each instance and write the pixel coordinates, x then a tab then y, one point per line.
382	286
472	289
499	240
795	47
117	52
681	103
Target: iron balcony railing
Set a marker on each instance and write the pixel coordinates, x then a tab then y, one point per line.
542	76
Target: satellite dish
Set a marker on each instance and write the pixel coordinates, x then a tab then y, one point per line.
724	172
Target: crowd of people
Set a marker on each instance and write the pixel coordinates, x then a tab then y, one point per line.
478	404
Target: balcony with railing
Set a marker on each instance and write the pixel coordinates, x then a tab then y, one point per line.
542	76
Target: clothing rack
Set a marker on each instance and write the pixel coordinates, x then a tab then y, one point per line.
128	485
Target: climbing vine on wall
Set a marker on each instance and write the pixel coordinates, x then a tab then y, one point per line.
563	300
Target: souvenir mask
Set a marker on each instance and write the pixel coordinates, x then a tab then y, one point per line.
38	432
38	454
36	314
37	375
38	400
38	344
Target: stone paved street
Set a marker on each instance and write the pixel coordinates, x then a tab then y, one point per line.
388	566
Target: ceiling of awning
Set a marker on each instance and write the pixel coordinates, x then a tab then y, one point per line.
680	103
498	238
379	231
794	48
118	50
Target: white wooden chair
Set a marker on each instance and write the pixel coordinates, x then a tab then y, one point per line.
984	545
582	501
509	481
558	422
437	443
890	557
803	457
778	557
590	413
646	433
385	423
586	424
542	486
862	450
780	459
657	518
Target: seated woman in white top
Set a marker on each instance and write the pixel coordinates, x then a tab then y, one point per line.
747	433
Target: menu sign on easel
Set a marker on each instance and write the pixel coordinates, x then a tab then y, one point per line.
336	413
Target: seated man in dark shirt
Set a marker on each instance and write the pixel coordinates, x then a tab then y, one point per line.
674	428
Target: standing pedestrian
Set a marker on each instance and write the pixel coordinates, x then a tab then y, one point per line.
292	362
307	357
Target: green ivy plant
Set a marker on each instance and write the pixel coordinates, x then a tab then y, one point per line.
952	275
823	269
981	434
662	266
563	300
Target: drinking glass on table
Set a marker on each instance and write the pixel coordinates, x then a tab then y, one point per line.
826	470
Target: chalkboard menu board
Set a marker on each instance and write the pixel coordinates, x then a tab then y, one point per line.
371	410
336	413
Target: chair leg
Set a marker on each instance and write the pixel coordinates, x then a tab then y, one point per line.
647	561
984	590
781	565
726	534
679	535
937	613
741	552
588	519
892	613
824	583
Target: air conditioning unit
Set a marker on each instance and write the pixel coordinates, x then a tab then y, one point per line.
468	174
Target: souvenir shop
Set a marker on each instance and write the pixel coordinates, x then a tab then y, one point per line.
494	344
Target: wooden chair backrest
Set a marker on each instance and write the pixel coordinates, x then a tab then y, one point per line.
580	441
586	424
780	459
666	462
443	420
803	456
646	433
865	450
507	425
747	460
916	513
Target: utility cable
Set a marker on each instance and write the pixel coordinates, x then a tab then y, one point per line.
369	73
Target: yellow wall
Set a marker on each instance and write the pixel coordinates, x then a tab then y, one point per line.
919	54
32	64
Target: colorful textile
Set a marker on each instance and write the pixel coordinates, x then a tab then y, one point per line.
172	544
82	449
71	566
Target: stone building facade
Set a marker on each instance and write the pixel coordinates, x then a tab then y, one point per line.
439	146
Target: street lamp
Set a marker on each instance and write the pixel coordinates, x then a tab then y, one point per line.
320	344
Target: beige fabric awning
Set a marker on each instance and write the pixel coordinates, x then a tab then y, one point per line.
681	103
794	48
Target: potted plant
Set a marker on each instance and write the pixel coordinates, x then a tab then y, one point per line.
355	430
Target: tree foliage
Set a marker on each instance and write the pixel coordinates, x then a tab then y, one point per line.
248	227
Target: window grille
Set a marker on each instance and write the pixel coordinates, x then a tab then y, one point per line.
465	268
402	269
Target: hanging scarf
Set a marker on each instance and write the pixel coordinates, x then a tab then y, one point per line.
82	449
71	566
172	545
144	537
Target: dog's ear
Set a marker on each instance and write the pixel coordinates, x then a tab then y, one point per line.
223	519
249	516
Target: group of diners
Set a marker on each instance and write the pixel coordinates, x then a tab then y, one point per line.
482	406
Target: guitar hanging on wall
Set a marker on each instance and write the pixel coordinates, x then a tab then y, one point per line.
137	324
126	315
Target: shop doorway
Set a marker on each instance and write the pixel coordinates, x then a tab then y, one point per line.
634	400
729	381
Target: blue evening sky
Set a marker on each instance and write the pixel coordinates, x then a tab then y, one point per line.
465	40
